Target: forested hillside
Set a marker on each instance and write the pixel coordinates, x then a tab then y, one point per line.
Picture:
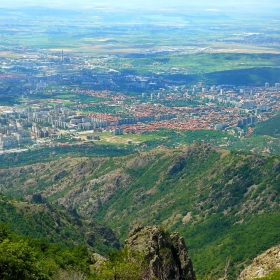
270	127
54	224
23	258
225	204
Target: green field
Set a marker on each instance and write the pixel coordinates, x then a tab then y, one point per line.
198	63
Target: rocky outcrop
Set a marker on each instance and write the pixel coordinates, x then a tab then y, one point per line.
262	265
166	254
97	260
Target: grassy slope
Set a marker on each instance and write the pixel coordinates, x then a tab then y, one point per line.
226	204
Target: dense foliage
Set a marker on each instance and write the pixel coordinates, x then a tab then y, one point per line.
123	264
55	224
23	258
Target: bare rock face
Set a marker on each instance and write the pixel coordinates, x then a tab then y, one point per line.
165	253
262	265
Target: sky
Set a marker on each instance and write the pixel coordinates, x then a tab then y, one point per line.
82	4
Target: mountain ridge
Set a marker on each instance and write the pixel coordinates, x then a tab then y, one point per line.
219	200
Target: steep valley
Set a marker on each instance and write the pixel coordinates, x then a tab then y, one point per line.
225	204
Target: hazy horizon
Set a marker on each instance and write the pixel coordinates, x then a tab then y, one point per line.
146	4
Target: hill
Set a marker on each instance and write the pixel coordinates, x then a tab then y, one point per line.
225	204
269	127
246	76
54	224
252	76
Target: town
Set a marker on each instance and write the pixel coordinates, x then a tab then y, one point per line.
59	94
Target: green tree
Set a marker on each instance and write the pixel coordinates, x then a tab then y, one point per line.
18	262
4	232
123	265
